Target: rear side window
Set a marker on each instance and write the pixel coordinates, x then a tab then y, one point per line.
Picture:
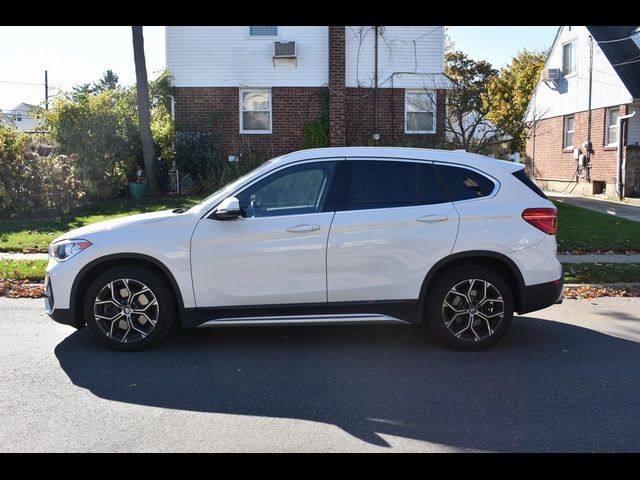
520	175
465	184
389	184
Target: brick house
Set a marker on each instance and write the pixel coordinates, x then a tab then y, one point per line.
258	86
559	112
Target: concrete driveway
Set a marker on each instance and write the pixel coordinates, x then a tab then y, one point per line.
564	379
622	210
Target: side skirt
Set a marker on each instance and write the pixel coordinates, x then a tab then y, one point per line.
354	319
352	313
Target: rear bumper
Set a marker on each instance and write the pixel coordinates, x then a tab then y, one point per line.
542	295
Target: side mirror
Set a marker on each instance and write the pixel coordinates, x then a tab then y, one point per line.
228	209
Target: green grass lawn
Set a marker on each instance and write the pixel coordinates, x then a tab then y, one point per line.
36	234
601	273
23	270
573	272
579	228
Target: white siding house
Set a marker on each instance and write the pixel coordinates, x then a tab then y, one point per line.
232	57
408	57
560	108
24	117
267	101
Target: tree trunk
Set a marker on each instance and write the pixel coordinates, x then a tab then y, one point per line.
144	114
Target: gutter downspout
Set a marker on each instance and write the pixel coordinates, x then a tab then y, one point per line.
375	91
619	156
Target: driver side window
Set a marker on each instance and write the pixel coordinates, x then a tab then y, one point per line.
296	190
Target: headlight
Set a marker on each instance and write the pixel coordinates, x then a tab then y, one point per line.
66	249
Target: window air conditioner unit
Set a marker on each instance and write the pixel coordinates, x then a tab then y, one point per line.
284	50
552	74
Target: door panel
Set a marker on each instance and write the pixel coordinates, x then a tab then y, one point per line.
393	224
258	261
276	252
385	254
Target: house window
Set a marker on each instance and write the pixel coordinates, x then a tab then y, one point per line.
255	111
263	31
568	131
611	132
569	55
18	116
420	107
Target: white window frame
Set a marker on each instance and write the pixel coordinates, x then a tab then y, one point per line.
574	55
262	37
260	90
434	95
608	141
565	132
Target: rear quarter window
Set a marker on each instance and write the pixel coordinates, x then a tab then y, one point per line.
522	176
465	184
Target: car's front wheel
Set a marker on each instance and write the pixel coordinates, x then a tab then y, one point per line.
469	308
129	308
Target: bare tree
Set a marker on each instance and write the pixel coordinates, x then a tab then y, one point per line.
144	113
466	120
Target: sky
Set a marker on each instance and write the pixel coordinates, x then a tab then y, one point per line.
77	55
499	44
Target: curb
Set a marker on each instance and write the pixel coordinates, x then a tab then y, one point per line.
603	285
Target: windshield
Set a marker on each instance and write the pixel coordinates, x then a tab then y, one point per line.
234	183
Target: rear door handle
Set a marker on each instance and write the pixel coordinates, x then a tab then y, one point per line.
432	218
303	228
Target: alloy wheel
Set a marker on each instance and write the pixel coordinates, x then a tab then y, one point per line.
126	310
473	310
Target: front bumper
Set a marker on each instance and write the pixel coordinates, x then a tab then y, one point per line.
64	316
542	295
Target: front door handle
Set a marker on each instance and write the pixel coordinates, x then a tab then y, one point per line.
432	218
303	228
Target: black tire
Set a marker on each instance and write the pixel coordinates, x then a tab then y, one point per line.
146	306
465	325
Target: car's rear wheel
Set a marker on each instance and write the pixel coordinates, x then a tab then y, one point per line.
469	308
129	308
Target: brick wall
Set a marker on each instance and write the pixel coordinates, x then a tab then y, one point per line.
360	116
337	86
205	109
555	166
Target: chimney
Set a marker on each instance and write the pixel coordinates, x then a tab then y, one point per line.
337	89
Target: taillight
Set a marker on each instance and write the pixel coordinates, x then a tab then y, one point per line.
545	219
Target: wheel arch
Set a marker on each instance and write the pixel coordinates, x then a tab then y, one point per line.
495	261
91	271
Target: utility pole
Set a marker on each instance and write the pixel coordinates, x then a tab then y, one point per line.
46	90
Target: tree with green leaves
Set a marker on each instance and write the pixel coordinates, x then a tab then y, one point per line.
108	81
102	129
508	95
466	120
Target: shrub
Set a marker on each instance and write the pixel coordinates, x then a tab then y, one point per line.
100	125
315	134
30	181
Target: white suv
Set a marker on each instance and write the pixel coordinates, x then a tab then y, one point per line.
353	235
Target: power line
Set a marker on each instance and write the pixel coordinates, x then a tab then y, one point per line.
21	83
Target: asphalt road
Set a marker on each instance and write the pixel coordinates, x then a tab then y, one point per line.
564	379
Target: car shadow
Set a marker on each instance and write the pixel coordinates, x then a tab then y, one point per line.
547	386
